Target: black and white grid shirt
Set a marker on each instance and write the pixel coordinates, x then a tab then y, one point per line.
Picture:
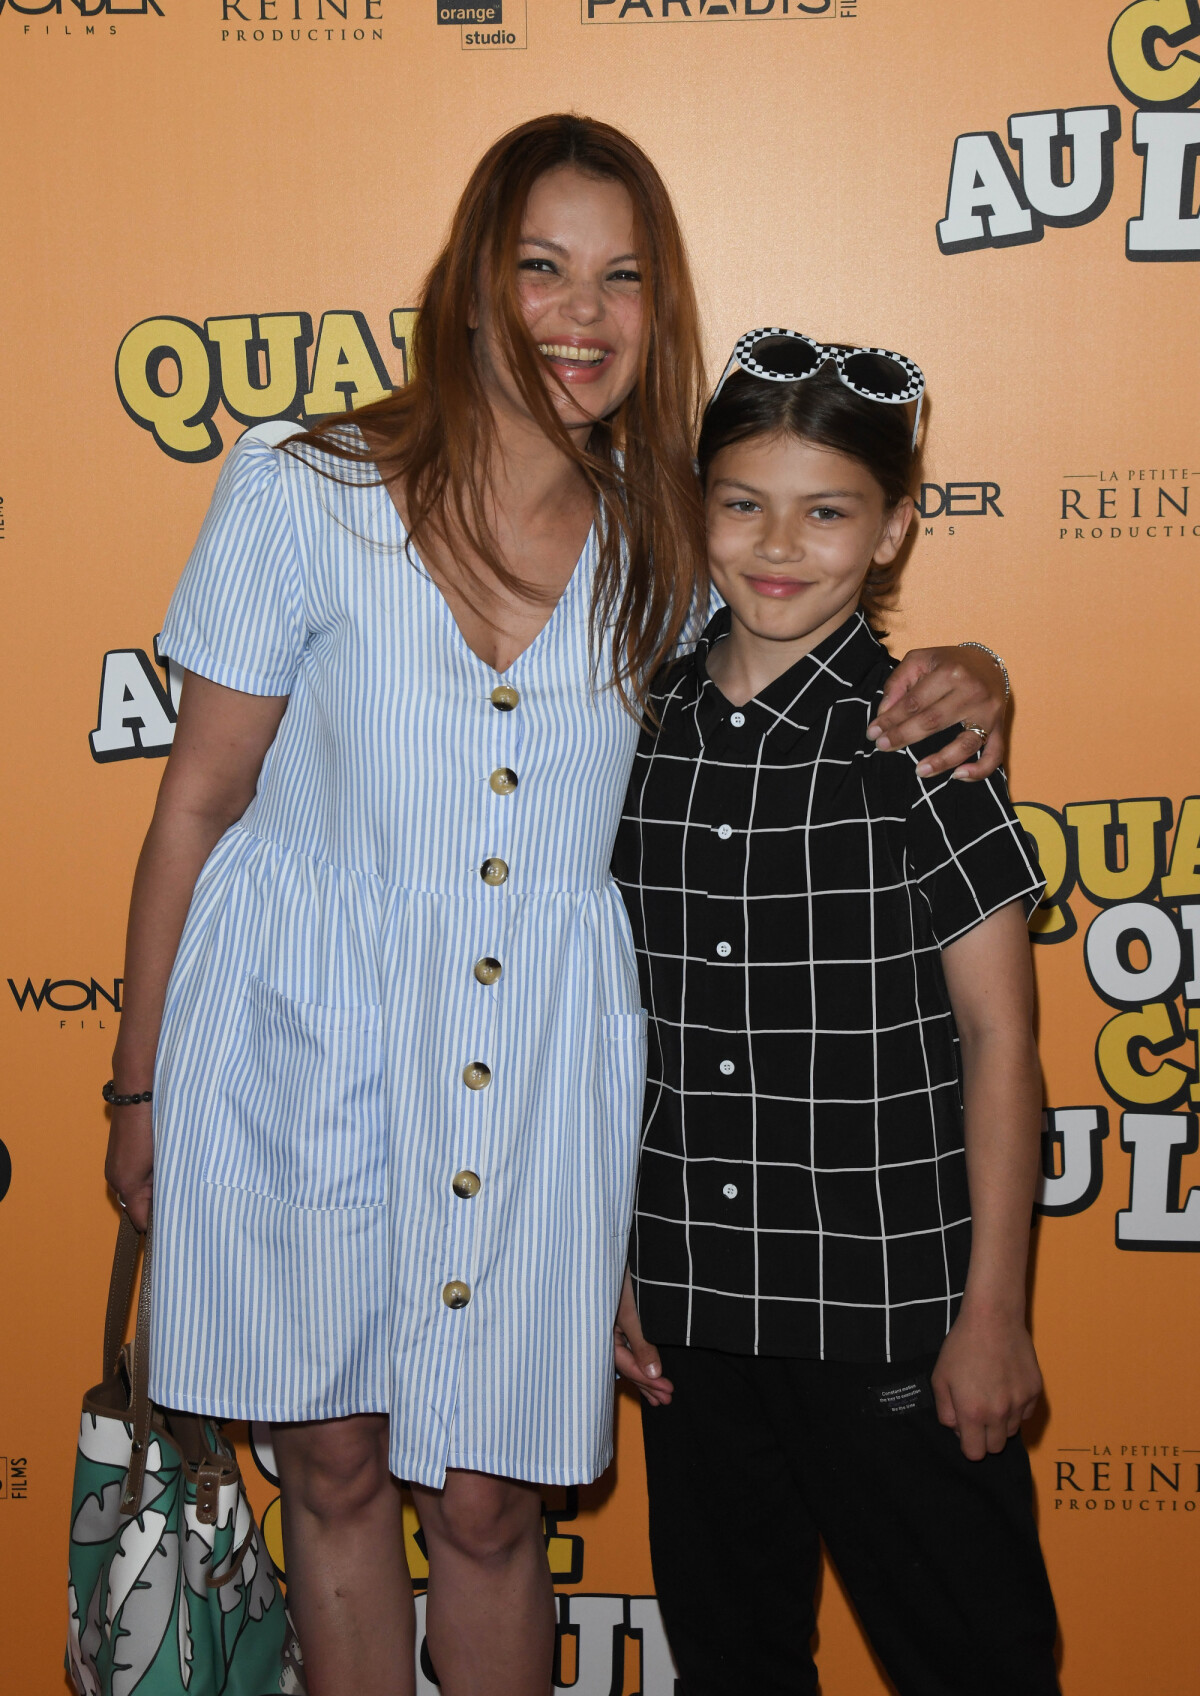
803	1186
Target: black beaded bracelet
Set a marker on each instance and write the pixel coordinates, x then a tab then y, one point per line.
114	1100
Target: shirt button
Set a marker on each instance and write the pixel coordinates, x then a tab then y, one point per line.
487	970
729	1191
737	720
724	950
456	1293
493	871
504	698
479	1076
724	831
465	1184
726	1067
503	781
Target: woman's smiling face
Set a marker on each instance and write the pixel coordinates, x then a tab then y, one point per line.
579	286
793	530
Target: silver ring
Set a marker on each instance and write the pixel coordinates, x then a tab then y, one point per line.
978	730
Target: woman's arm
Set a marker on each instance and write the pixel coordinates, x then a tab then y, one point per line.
933	688
220	742
636	1359
987	1380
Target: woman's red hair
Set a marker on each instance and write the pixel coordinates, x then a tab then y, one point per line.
435	437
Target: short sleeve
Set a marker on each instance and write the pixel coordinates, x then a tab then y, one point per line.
236	616
965	848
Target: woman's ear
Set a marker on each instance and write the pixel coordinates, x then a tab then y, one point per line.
895	529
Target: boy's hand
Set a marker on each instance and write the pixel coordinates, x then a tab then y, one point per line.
637	1359
986	1382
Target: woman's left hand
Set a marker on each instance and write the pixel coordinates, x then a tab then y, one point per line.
933	688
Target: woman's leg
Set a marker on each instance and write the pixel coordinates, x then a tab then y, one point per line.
490	1624
348	1588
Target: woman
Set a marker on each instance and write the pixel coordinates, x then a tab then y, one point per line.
398	1063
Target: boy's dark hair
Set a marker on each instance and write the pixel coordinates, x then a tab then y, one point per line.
821	410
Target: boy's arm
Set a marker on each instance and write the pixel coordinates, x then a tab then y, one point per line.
987	1380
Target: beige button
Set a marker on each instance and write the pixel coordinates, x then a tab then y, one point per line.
487	970
503	781
494	871
504	698
456	1293
477	1075
465	1184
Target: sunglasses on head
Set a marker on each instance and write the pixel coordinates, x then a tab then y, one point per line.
787	356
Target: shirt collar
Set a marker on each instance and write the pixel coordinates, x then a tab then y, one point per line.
788	708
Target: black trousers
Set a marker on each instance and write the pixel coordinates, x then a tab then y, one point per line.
756	1461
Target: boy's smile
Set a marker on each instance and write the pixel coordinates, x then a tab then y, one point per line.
793	530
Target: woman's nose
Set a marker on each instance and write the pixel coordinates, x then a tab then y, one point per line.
585	301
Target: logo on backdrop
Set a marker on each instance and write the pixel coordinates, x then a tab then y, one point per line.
957	500
250	21
78	11
1142	957
1063	171
67	995
1152	503
172	374
700	11
1143	1478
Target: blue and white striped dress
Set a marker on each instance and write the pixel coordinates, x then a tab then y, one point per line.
311	1108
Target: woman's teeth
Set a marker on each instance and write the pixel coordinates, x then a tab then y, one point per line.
580	355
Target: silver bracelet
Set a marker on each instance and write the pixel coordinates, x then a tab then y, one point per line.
994	655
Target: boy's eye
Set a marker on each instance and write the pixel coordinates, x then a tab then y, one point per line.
824	513
743	506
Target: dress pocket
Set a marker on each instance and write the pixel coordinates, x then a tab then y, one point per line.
301	1116
623	1057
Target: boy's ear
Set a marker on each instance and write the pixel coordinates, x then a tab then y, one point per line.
895	529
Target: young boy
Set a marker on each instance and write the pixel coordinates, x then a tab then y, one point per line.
839	1153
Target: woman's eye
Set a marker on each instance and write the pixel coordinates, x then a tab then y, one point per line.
625	276
825	513
743	506
546	266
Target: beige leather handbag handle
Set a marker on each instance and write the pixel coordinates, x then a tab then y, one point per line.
120	1290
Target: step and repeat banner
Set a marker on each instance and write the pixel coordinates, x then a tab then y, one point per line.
219	211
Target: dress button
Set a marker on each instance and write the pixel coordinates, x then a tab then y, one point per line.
729	1191
726	1067
737	720
487	970
465	1184
479	1076
494	871
725	831
503	781
504	698
724	950
456	1293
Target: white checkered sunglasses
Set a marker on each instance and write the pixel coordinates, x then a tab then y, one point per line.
787	356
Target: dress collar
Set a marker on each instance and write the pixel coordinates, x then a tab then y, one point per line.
788	708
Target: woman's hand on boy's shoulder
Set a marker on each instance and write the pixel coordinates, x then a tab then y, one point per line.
934	688
636	1359
986	1382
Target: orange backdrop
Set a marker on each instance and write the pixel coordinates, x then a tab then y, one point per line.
1003	191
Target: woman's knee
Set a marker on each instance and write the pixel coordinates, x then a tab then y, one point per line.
481	1518
334	1468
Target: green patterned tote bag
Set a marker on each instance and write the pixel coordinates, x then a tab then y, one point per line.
172	1591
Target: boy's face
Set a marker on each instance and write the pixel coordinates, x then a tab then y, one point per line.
793	530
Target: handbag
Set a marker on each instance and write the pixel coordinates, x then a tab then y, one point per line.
172	1591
